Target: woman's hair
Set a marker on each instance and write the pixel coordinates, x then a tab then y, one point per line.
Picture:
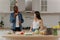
38	14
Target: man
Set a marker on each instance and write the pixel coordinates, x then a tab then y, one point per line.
16	19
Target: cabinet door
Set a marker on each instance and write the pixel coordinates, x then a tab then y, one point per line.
53	6
4	6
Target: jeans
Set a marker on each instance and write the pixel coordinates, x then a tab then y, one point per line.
17	29
34	30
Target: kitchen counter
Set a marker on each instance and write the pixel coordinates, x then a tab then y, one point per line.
31	37
7	36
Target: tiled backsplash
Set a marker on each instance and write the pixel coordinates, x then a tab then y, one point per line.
49	20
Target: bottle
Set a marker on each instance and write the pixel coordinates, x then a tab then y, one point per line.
55	32
59	24
49	31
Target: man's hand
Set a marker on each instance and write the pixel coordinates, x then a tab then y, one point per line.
15	15
19	22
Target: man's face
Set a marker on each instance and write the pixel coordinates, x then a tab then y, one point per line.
15	9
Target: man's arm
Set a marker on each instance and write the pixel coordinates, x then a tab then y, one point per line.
22	20
12	18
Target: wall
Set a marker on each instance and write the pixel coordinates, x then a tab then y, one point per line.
51	19
4	6
21	5
6	17
36	5
48	19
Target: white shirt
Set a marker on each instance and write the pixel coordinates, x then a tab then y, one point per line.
17	21
36	25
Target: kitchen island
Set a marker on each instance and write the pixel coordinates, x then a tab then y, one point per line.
30	37
5	36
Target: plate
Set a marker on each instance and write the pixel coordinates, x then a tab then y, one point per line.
28	33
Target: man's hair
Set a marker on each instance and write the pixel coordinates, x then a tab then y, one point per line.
15	7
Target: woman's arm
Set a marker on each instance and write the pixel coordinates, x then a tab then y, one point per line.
31	27
41	25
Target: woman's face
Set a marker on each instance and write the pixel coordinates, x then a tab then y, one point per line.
34	16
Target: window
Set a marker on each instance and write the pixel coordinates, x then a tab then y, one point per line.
43	5
12	3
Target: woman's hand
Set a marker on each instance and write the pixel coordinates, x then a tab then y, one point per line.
19	22
30	30
41	24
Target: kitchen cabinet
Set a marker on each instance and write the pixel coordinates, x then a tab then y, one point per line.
31	37
53	6
4	6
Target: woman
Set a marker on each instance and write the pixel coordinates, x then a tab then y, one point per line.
37	22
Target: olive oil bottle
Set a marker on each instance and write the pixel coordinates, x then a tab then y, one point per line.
55	32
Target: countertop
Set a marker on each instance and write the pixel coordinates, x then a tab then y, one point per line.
4	34
31	37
